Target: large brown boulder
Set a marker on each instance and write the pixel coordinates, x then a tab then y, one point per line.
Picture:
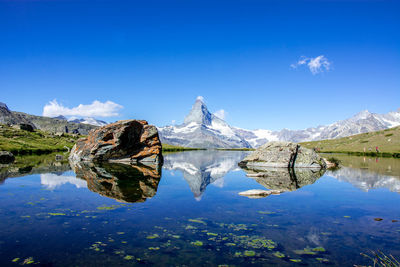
283	155
129	141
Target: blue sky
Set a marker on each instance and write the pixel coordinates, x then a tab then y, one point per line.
154	58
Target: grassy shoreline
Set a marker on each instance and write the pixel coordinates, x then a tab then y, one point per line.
366	154
21	142
236	149
171	148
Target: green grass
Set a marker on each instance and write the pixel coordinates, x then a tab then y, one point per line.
388	142
20	142
171	148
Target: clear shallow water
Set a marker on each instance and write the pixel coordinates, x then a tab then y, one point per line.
194	216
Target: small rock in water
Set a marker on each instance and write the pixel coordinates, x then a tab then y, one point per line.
394	220
258	193
378	219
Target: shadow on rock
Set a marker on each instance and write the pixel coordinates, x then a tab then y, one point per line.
125	183
284	179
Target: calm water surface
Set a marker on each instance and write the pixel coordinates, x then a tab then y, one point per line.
190	214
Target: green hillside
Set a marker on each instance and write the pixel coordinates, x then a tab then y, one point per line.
24	142
388	142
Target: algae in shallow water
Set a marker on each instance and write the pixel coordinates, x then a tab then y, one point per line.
15	260
197	243
128	257
190	227
319	249
57	214
305	251
279	254
153	236
249	253
112	207
322	260
295	260
28	261
197	221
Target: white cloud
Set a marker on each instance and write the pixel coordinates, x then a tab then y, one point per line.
96	109
316	65
221	114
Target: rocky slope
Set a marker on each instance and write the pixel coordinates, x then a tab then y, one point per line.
52	125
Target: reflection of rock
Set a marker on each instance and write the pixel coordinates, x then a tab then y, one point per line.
129	141
258	193
127	183
283	155
366	179
284	179
201	168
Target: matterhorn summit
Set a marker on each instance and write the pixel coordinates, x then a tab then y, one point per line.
202	129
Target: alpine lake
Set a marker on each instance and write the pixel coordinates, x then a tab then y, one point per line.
189	213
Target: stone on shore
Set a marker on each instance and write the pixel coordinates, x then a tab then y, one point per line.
283	155
128	141
6	157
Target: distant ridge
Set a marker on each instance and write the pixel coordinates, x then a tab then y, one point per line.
205	130
52	125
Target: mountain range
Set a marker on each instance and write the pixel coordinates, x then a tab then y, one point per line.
54	125
203	129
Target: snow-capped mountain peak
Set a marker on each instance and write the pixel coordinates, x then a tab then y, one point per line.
203	129
199	113
88	120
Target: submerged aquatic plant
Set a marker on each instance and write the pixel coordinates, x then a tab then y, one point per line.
112	207
380	259
153	236
249	253
279	254
197	243
197	221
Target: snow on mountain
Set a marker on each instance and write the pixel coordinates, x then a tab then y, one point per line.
203	129
88	120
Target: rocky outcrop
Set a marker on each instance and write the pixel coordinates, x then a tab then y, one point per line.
124	183
283	155
6	157
129	141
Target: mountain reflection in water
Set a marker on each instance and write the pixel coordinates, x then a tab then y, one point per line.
201	168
